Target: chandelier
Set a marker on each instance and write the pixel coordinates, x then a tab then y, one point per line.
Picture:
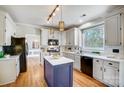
61	23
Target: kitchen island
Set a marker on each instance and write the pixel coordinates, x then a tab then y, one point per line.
58	72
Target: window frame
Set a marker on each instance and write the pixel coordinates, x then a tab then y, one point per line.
83	39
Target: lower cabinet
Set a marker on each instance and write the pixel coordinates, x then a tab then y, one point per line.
111	73
76	58
97	69
9	70
106	72
77	63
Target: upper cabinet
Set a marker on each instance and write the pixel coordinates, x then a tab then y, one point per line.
113	28
7	29
47	34
72	37
44	37
63	38
2	29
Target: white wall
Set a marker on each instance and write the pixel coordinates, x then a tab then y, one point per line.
22	30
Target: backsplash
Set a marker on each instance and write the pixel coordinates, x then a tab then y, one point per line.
109	50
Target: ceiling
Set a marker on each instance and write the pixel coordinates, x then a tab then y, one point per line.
38	14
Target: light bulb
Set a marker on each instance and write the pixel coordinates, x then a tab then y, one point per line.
57	9
54	14
80	20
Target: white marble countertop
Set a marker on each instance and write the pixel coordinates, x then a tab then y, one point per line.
59	61
9	58
104	57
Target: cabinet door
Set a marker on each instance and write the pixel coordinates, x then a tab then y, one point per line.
17	67
67	38
2	29
44	35
9	31
71	37
112	30
97	68
109	75
77	62
63	38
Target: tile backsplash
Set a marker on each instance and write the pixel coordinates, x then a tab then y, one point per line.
109	50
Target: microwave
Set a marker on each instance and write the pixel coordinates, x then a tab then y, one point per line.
53	42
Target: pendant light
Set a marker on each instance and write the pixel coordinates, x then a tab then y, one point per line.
61	23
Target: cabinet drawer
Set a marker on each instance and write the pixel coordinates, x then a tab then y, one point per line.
97	60
111	64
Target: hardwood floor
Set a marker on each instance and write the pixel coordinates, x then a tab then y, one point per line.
34	77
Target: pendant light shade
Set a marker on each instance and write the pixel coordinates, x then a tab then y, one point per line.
61	25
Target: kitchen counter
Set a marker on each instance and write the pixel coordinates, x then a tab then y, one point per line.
100	56
59	61
9	58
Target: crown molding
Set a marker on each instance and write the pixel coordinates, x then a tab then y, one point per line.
30	25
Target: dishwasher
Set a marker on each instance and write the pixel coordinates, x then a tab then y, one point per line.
87	65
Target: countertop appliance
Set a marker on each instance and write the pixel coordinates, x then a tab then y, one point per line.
87	65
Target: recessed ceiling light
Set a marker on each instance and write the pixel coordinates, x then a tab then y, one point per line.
80	20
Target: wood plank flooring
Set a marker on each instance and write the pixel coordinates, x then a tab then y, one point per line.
34	77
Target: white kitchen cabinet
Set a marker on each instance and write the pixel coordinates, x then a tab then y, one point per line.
9	69
72	37
7	29
10	31
98	69
46	34
2	29
111	73
106	71
76	58
65	54
17	67
77	63
113	27
63	38
44	37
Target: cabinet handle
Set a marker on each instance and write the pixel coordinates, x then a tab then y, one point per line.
101	68
97	60
110	63
104	70
118	70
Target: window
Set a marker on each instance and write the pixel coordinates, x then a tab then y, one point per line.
93	37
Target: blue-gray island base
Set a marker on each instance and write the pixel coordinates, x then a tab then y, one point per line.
58	75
